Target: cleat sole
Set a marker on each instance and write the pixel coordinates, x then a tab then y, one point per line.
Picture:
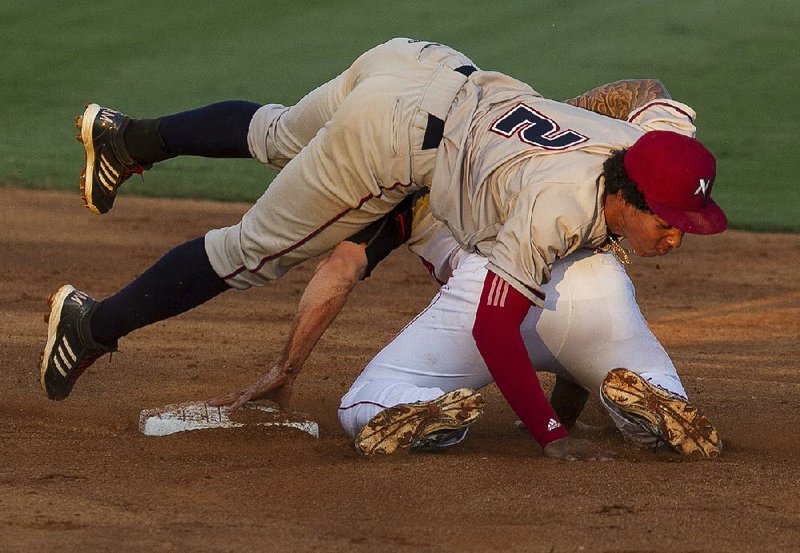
680	424
86	124
53	318
404	426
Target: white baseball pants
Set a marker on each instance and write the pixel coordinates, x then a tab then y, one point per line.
590	324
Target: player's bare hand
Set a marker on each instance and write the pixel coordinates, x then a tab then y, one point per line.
576	449
275	386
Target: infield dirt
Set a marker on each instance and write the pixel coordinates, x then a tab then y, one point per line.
78	476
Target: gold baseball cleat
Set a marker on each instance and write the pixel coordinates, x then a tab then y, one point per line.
669	417
423	425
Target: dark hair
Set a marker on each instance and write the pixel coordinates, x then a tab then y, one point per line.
617	180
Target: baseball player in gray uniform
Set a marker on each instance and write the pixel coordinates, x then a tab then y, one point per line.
520	179
593	298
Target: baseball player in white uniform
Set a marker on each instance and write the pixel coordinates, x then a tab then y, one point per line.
523	180
590	325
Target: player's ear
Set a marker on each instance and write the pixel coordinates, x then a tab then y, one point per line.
617	199
626	203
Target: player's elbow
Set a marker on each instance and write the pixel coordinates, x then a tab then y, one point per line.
345	265
493	334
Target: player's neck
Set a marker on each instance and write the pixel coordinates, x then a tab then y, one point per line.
613	207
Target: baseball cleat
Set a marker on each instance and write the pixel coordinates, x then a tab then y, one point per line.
70	349
423	425
108	163
669	417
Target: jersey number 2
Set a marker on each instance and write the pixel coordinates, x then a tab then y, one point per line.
535	128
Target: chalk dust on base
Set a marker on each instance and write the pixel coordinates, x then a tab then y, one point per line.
181	417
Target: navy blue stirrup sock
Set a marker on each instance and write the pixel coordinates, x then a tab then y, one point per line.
218	130
178	282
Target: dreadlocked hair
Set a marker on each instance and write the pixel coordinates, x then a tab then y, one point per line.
617	180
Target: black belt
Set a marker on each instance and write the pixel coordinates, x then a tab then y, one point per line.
435	129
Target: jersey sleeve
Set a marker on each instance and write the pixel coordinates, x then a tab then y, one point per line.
432	241
665	115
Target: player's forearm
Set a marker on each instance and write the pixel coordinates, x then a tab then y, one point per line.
321	302
620	98
568	400
497	335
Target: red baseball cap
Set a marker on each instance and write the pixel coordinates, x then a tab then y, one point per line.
675	173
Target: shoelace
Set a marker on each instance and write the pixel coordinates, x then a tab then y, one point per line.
138	170
87	362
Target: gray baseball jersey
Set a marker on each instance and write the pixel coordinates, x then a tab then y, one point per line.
515	175
348	152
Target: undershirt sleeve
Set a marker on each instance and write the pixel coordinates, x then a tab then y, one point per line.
497	334
386	234
665	115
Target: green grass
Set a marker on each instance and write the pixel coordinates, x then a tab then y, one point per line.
736	62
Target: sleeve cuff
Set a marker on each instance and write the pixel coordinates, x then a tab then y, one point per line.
534	294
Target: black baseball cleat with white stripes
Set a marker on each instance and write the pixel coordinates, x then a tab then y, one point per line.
70	348
108	163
